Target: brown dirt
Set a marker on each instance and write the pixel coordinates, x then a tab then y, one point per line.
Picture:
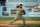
3	25
27	22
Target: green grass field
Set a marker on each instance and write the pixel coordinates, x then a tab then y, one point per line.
26	18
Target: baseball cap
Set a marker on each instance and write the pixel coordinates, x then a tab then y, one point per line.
21	4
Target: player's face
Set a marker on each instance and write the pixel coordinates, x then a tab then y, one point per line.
20	6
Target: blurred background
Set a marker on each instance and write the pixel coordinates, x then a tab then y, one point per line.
31	7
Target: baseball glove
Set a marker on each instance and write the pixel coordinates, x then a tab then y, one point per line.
23	12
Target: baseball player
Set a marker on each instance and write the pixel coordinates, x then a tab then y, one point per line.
19	13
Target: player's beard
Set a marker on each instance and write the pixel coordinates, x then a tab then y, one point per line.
20	7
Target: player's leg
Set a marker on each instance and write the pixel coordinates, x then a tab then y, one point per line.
13	20
23	20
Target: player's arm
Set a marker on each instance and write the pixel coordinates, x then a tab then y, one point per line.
15	6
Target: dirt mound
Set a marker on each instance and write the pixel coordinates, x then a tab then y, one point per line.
27	22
